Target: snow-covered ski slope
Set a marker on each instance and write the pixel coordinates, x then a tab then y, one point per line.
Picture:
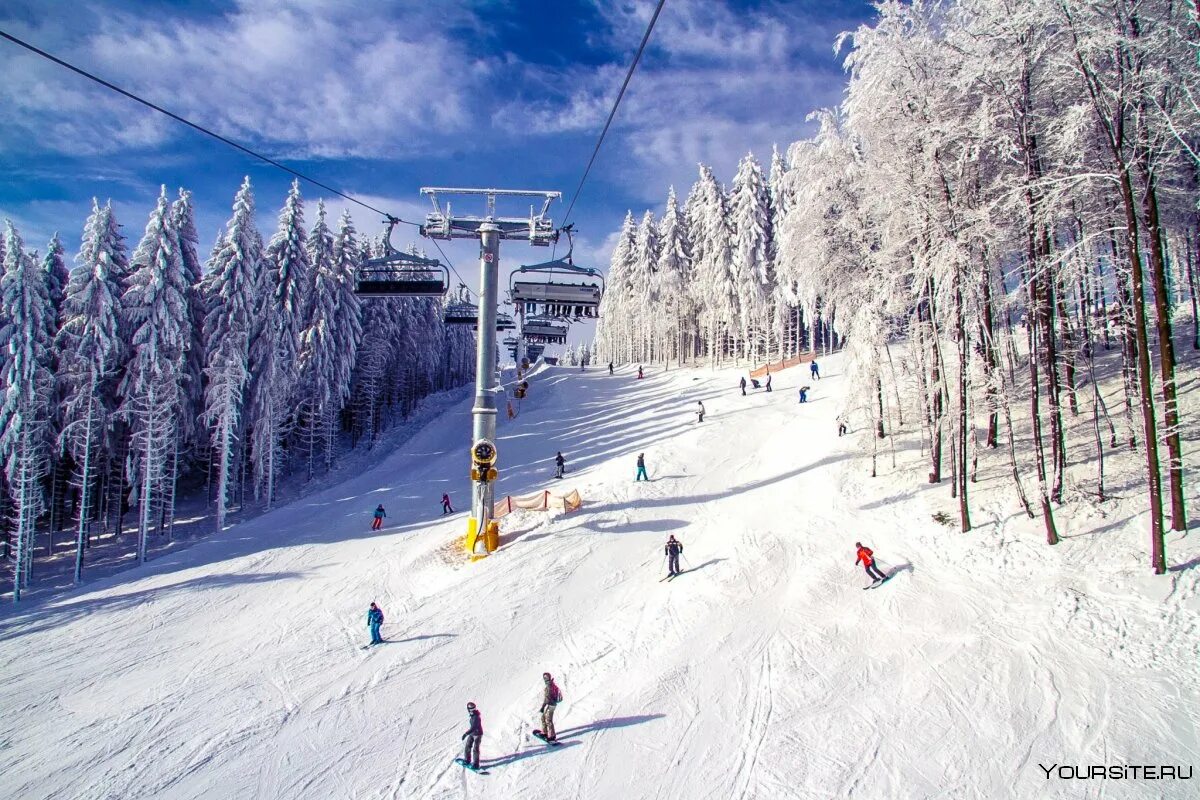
236	668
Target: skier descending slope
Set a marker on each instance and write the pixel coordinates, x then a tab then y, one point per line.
868	561
641	468
375	622
560	465
379	515
673	549
551	697
473	735
446	508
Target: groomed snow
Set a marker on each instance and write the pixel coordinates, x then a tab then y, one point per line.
236	668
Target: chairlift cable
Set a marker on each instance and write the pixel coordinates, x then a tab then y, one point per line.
195	126
613	112
446	258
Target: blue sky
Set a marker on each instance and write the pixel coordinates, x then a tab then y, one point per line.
380	98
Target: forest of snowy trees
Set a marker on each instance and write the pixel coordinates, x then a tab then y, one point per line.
1008	186
132	376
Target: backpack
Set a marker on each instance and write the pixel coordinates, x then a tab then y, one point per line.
556	693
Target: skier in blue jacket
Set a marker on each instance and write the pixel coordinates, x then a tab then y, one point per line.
374	622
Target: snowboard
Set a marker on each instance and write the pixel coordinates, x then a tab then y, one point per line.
542	736
463	763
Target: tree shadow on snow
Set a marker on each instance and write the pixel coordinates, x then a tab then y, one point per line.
37	616
647	526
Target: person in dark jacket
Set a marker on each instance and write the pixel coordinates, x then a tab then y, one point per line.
804	394
814	370
673	549
640	376
379	515
446	508
375	622
560	465
610	369
641	470
742	385
867	558
473	735
551	697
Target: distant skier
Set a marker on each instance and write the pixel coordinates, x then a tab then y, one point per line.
804	394
742	385
610	369
473	735
641	470
375	622
814	371
640	375
673	549
841	426
581	365
560	465
868	561
379	515
446	508
699	411
768	382
551	697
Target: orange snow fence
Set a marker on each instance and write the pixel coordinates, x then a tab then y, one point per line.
542	501
768	369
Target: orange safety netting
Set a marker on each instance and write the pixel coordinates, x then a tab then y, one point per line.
768	369
542	501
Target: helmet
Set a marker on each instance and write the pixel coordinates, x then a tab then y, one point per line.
470	706
858	544
546	676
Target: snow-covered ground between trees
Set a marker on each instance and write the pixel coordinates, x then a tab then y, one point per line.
237	668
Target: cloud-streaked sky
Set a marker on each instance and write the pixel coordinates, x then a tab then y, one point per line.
380	98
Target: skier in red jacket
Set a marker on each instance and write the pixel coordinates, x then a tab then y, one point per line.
868	561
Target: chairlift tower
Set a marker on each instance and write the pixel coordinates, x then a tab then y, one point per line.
489	229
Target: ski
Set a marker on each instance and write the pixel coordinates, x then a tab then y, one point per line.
878	583
463	763
542	736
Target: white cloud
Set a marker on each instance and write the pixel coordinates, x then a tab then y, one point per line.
309	79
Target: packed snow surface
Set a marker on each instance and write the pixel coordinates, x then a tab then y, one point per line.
236	668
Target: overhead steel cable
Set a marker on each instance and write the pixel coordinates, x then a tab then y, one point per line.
613	112
194	126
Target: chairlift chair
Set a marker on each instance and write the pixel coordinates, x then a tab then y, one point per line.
545	330
396	274
576	295
460	310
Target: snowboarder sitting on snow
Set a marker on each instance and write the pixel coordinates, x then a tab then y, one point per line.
379	515
472	736
868	561
754	384
814	371
560	465
641	471
374	622
742	385
551	697
673	549
699	411
446	509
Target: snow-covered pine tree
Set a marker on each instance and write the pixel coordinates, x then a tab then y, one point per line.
643	300
317	354
612	330
713	289
346	326
191	432
88	343
232	281
57	276
25	411
750	218
670	278
281	312
155	309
